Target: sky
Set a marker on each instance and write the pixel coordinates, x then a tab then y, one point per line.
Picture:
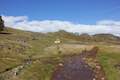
83	16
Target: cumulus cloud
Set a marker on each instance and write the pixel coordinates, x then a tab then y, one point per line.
23	23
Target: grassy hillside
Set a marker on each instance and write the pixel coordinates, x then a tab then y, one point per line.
17	46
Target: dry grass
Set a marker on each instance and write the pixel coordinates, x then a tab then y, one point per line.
42	46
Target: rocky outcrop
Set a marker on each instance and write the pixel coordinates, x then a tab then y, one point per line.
11	73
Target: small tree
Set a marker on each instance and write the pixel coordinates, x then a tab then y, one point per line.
1	24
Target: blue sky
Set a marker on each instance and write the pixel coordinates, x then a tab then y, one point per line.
77	11
82	16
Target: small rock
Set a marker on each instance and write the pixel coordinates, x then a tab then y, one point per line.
61	64
102	78
94	79
98	67
117	66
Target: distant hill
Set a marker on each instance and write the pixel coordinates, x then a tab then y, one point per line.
86	37
106	37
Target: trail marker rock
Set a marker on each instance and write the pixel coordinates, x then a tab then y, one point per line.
57	42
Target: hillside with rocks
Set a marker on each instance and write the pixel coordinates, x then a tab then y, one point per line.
36	54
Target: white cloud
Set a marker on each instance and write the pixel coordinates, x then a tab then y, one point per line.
109	22
23	23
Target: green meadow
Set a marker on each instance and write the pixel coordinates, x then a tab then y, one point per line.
16	46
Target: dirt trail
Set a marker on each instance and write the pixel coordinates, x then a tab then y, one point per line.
80	67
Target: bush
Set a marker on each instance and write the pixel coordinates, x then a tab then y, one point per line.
1	24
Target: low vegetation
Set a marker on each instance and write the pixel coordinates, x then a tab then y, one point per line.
17	47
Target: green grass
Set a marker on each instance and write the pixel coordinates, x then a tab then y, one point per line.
108	60
41	46
37	71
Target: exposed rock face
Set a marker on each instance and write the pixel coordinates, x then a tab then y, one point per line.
1	24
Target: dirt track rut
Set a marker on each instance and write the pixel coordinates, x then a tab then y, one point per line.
78	68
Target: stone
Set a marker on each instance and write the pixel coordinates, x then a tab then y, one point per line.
94	79
102	78
61	64
98	67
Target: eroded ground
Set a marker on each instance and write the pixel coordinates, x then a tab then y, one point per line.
81	67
